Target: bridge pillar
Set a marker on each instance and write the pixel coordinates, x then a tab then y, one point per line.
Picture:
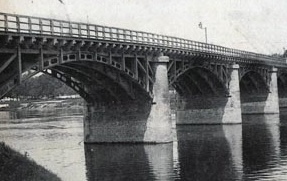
270	104
135	121
272	101
212	110
232	109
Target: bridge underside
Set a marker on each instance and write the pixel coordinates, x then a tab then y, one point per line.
207	100
126	92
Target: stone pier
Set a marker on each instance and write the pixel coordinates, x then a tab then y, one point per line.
212	110
134	121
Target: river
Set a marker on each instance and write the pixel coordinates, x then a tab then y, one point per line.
255	150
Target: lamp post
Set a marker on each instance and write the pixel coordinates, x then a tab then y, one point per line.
205	28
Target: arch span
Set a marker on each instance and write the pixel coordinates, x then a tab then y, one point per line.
199	81
205	99
95	76
253	87
282	85
259	92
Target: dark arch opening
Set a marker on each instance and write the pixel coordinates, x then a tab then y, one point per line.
253	87
199	88
282	85
96	82
198	81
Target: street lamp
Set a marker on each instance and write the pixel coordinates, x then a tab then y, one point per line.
205	28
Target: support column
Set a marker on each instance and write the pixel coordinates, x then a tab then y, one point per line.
133	121
159	122
232	110
272	101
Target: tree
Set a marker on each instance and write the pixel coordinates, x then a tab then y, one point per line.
42	86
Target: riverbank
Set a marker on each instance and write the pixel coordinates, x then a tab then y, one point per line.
14	166
76	103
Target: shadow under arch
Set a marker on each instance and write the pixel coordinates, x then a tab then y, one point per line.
202	98
197	80
282	90
107	82
253	87
259	94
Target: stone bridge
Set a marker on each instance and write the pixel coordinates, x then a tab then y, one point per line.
127	77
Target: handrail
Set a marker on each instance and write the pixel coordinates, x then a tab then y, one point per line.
43	26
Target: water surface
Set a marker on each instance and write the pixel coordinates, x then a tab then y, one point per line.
255	150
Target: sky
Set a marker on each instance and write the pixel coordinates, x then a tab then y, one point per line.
253	25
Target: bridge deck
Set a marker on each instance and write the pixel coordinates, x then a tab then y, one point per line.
27	25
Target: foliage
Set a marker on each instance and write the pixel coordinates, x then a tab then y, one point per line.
42	86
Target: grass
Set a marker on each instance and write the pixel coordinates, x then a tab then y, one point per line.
17	167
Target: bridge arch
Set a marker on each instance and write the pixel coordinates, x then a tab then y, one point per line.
282	85
253	87
95	76
197	81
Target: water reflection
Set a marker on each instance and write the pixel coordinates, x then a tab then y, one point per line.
261	145
255	150
44	113
129	162
209	152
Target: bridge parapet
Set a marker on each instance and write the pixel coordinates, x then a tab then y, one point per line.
27	25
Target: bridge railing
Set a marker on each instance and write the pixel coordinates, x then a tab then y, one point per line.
43	26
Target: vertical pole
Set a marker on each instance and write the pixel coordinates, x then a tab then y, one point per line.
19	64
61	56
95	56
147	74
6	22
41	63
52	27
110	57
123	63
18	24
205	34
136	68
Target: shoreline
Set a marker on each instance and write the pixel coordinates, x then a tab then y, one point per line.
15	166
40	104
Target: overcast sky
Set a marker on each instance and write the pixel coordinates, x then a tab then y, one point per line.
253	25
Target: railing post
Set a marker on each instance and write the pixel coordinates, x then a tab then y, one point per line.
40	26
18	24
6	22
61	29
79	29
52	27
30	25
70	29
88	31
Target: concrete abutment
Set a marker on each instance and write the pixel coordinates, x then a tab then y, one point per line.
142	120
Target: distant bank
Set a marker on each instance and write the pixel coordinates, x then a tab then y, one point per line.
40	104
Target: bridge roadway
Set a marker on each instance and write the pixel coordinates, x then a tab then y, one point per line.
127	77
